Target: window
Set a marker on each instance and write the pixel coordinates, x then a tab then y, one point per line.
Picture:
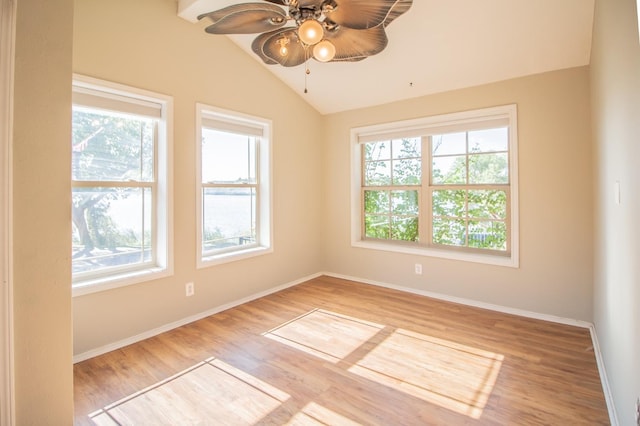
120	185
442	186
233	186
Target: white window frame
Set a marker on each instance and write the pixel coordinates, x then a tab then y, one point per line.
111	96
428	126
264	206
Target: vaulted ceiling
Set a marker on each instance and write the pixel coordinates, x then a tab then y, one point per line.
439	45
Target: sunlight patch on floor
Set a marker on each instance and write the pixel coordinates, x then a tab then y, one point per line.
209	390
316	414
326	335
451	375
454	376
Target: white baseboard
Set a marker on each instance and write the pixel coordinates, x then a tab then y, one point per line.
167	327
468	302
606	389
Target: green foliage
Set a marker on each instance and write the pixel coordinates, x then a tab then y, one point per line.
111	147
209	234
473	218
391	214
461	217
108	148
395	162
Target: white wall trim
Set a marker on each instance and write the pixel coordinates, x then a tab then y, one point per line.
497	116
468	302
606	389
7	45
167	327
119	96
207	115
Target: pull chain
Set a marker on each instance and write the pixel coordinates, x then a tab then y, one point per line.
307	71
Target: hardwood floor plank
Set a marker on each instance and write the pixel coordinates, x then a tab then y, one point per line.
332	351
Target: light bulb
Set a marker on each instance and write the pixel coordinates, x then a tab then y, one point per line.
310	32
284	50
324	51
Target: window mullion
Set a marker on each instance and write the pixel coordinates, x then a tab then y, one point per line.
426	208
111	184
229	185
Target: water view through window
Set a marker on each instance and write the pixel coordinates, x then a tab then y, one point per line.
229	190
113	182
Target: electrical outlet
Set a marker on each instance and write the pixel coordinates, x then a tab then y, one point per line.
189	289
418	268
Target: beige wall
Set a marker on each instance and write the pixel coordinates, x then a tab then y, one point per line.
145	44
615	88
41	209
555	274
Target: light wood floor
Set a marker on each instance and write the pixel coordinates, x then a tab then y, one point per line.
337	352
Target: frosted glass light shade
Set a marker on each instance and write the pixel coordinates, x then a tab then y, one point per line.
310	32
324	51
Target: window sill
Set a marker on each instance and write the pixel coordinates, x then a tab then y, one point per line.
233	256
95	285
487	259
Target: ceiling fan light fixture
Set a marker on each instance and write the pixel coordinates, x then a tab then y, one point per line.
290	32
310	32
324	51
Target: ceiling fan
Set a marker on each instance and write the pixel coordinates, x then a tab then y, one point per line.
292	31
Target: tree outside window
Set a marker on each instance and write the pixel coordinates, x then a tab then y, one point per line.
113	181
442	186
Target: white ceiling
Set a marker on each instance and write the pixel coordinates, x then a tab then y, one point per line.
441	45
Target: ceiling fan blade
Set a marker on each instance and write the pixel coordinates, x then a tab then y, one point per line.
363	14
352	45
267	47
398	9
247	18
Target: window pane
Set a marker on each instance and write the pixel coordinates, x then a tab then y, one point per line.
449	203
111	227
449	170
111	147
376	226
147	225
488	235
377	173
449	231
376	201
407	148
487	204
229	216
488	168
490	140
228	157
404	202
407	172
377	151
449	144
404	228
